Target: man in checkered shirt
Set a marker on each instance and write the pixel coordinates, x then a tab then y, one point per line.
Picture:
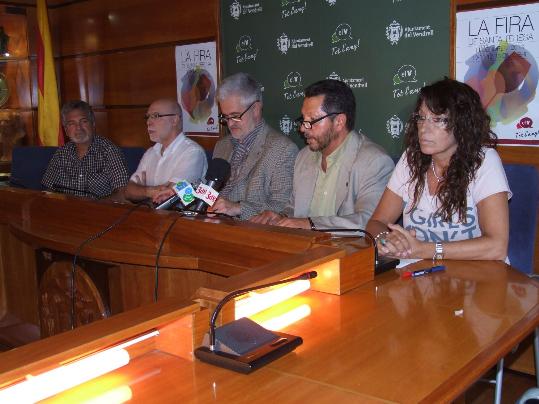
89	165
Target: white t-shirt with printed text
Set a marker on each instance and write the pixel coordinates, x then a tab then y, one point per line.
489	179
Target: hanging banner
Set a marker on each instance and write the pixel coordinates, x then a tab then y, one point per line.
496	53
196	82
385	54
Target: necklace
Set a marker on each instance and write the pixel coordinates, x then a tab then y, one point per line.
439	179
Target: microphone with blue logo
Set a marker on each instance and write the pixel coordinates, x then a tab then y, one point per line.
183	193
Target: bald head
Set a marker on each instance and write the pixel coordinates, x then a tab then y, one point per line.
164	120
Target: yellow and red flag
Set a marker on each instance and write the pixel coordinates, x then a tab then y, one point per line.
48	111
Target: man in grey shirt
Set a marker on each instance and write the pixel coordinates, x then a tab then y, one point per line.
261	159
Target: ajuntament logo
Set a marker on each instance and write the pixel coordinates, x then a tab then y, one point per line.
245	50
394	126
292	86
286	125
237	9
395	31
352	82
292	7
342	40
284	43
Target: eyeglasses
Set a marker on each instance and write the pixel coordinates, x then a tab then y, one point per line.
156	115
309	124
74	124
223	119
438	121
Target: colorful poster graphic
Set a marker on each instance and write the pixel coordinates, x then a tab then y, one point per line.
196	82
496	53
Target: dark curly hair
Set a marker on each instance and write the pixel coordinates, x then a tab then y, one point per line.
471	127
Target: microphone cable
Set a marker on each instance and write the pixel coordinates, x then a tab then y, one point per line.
183	213
365	232
79	250
158	255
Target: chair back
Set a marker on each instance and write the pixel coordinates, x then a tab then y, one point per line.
28	165
524	183
132	157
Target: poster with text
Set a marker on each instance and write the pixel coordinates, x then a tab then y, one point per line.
196	81
496	53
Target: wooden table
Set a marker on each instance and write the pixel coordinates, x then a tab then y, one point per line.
425	339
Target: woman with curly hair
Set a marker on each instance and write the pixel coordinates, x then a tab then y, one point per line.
449	184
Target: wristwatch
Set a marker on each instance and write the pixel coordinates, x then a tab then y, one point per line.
438	251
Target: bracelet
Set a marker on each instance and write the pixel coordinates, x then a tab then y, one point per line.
380	237
313	227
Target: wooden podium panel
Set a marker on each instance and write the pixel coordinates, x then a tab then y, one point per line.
43	230
424	339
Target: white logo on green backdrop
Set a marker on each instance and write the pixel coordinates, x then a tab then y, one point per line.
292	86
236	9
404	80
286	124
394	126
284	43
292	7
352	82
342	40
394	32
331	2
245	50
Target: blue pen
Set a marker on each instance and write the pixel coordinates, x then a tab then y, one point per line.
413	274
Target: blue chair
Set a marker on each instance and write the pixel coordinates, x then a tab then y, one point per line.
524	182
132	157
30	162
28	165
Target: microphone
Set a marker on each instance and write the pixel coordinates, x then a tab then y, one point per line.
382	264
216	176
183	191
252	345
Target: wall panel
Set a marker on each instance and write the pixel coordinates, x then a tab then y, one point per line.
132	77
104	25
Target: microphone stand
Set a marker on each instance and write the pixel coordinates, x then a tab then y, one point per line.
380	264
263	347
227	298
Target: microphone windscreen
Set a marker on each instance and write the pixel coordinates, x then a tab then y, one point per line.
218	170
309	275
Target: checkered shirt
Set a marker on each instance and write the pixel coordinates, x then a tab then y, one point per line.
97	175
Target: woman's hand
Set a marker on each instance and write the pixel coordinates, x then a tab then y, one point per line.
399	243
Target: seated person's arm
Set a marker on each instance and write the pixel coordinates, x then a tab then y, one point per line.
117	172
51	173
279	189
387	212
272	218
374	177
137	192
493	216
